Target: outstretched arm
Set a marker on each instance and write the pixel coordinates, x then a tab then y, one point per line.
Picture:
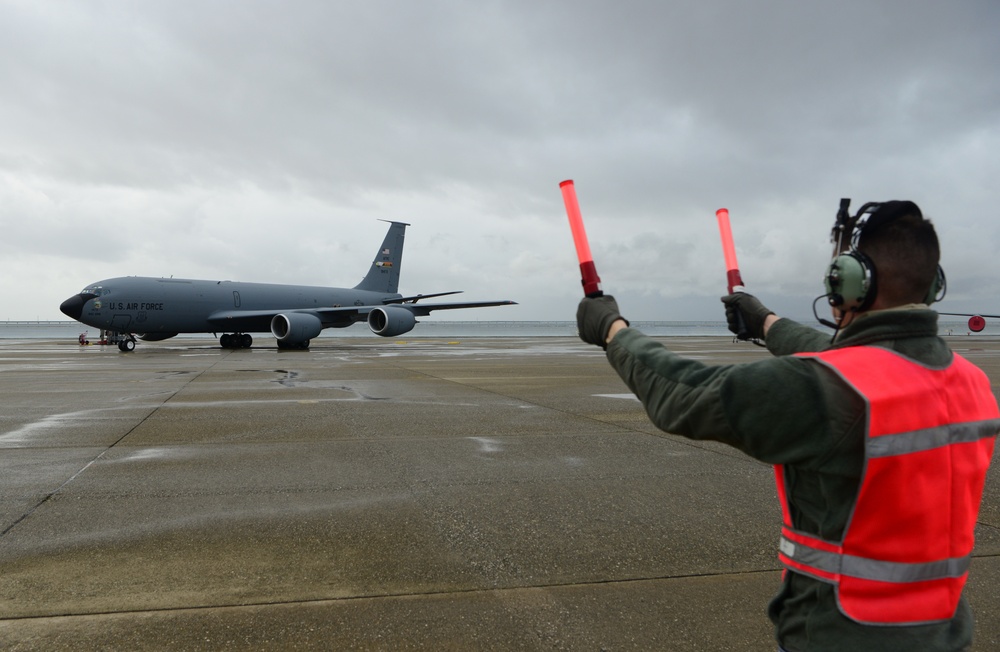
787	337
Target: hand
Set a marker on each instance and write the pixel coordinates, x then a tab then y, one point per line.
594	318
754	314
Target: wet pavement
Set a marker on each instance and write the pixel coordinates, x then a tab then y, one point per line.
484	493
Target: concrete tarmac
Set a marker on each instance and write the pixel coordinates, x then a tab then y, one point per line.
488	493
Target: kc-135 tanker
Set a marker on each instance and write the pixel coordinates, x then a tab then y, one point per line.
156	309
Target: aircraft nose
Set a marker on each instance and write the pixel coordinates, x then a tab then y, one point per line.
73	306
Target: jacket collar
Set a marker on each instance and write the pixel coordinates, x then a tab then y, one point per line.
893	324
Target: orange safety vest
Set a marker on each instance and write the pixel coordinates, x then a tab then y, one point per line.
904	555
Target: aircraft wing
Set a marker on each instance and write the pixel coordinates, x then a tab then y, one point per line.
256	321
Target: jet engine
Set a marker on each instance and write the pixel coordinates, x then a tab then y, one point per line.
295	329
390	321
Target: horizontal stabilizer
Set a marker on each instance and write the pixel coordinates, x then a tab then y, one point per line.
418	297
422	310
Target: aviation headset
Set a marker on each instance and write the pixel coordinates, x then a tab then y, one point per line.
851	280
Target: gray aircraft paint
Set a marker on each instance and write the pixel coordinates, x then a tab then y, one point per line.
160	308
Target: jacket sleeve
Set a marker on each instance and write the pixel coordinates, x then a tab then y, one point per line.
772	409
787	337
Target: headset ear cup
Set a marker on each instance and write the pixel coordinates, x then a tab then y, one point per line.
832	283
850	281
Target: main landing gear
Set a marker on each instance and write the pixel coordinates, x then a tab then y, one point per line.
236	341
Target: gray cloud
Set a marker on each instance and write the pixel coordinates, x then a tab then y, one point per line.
260	141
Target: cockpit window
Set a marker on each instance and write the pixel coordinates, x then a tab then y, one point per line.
94	289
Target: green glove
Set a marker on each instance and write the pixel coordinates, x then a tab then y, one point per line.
753	312
594	318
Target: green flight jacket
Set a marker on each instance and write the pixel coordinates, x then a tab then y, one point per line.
794	411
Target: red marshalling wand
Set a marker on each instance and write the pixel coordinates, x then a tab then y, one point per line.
733	279
729	251
588	273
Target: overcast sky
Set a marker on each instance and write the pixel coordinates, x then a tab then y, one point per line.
262	141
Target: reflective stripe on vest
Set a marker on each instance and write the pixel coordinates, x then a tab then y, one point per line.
907	545
834	563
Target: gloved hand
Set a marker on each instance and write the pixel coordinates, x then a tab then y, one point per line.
753	311
594	318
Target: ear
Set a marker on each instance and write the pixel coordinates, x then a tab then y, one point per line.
939	287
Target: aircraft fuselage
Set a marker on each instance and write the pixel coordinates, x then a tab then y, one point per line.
167	305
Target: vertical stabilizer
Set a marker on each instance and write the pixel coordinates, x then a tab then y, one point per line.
384	273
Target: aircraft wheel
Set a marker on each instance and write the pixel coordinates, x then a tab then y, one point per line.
226	341
246	341
127	345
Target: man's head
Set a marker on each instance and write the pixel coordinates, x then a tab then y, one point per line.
892	259
903	247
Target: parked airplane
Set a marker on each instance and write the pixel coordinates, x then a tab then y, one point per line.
159	308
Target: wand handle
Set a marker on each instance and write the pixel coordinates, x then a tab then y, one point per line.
588	272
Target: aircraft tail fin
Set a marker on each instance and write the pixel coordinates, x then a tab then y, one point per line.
383	276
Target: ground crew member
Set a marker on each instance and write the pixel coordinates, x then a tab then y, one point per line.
880	438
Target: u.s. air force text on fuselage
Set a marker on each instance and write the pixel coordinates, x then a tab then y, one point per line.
130	306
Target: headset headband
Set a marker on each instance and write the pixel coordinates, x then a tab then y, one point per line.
868	218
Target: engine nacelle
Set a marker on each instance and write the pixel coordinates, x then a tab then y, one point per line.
154	337
295	329
390	321
976	323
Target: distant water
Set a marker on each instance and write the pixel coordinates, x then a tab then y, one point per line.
57	330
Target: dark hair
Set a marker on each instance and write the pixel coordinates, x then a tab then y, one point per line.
904	248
